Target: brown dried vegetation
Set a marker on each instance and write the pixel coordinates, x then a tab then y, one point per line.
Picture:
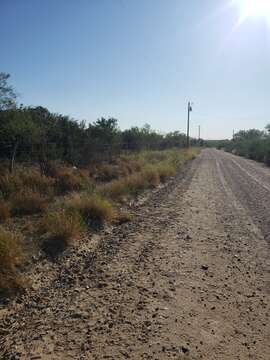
11	255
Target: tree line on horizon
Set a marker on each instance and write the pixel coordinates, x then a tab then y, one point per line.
253	144
35	134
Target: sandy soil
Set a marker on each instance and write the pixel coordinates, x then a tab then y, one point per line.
188	279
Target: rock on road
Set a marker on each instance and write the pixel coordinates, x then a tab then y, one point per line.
188	279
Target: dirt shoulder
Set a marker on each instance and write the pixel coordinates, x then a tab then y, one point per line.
189	278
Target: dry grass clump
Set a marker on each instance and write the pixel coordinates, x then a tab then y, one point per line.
130	164
165	170
24	179
151	175
68	179
28	203
9	184
131	185
115	170
63	224
4	210
51	168
135	184
33	180
115	190
192	153
11	255
153	156
94	209
108	172
62	228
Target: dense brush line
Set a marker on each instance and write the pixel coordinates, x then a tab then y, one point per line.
253	144
37	135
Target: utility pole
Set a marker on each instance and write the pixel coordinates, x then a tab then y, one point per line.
233	135
189	110
199	132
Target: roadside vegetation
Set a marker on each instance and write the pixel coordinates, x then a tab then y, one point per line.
11	256
61	179
36	135
59	213
253	144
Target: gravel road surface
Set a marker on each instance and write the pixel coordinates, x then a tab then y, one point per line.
189	278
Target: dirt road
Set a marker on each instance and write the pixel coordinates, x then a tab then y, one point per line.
188	279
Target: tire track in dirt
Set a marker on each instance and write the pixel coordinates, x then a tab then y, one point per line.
251	190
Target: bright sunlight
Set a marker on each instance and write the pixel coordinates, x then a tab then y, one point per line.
255	9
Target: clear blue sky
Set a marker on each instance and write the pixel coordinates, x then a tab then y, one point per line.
140	61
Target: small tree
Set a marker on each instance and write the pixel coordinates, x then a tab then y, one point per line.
7	93
17	128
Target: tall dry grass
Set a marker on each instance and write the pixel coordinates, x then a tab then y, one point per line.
4	210
61	228
153	167
11	255
94	209
28	202
28	179
69	199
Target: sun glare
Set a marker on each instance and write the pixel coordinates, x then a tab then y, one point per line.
255	9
